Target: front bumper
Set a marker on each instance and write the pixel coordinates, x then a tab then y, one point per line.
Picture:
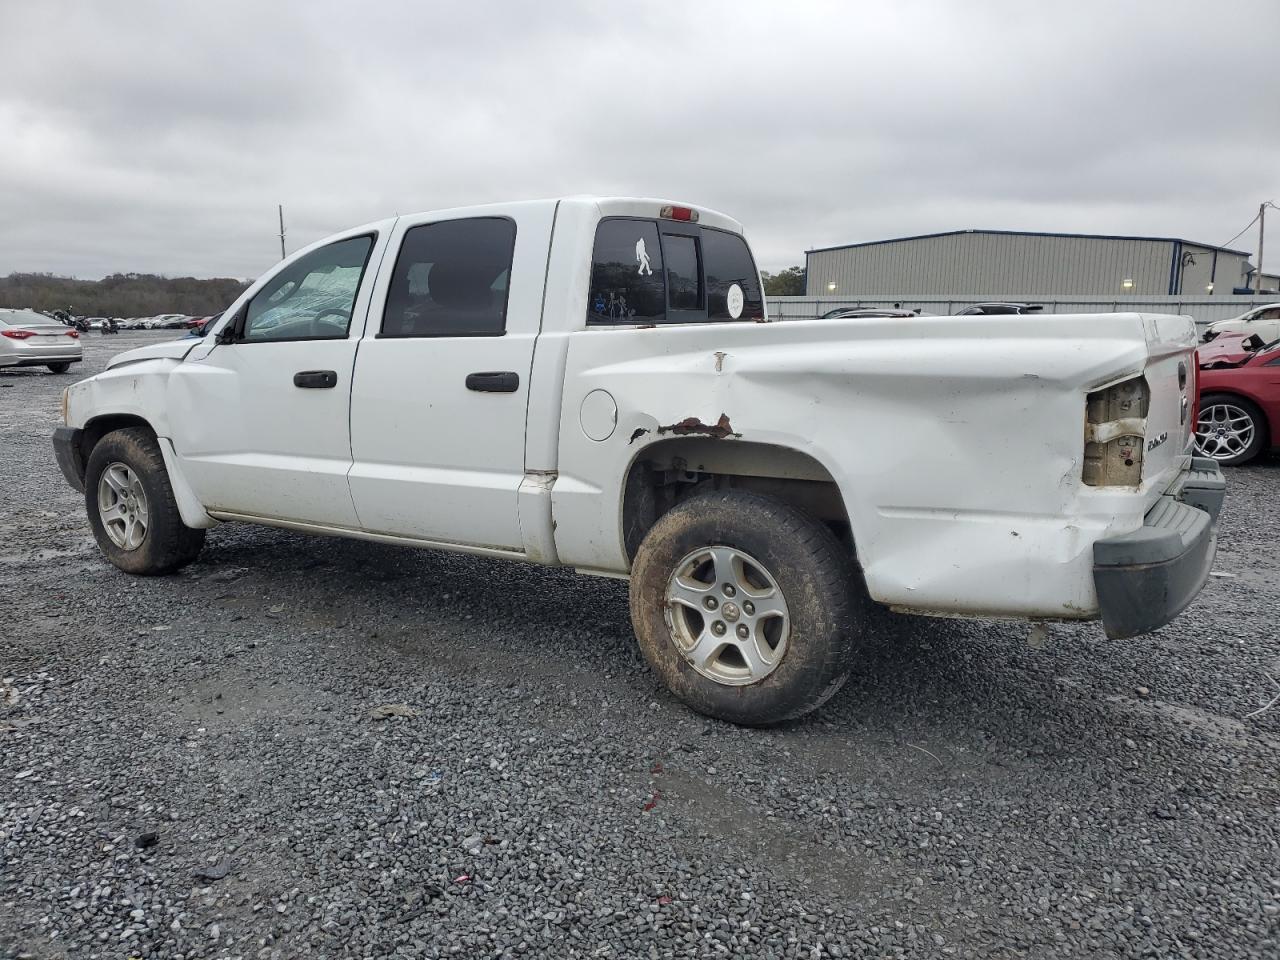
1146	578
66	447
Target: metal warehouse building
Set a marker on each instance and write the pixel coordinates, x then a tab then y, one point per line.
1009	264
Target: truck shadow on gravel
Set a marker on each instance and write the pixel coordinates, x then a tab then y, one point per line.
944	696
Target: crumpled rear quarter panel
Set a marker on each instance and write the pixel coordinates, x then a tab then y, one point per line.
957	442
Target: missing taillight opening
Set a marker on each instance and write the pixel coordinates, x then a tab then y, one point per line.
1115	434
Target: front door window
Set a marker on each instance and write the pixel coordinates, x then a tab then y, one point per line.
312	298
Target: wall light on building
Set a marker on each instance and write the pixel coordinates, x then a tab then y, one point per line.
1127	283
1208	288
831	286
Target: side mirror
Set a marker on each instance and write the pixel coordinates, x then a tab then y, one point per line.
232	331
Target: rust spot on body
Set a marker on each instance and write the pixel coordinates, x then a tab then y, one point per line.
692	425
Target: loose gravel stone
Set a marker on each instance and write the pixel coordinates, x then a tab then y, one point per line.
963	796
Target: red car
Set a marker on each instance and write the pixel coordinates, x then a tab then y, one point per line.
1239	399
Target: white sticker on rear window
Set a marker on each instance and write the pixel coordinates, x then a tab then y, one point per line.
734	300
642	258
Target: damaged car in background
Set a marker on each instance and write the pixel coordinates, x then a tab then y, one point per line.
1239	405
595	383
1263	321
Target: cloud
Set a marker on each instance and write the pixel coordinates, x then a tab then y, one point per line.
159	137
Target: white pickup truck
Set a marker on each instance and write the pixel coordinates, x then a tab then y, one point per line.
595	383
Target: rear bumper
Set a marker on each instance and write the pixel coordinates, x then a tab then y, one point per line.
38	359
1147	577
66	447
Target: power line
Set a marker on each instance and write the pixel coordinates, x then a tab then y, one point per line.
1241	233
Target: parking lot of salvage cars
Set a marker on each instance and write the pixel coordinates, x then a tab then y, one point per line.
308	746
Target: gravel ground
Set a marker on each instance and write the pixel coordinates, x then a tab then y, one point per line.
189	766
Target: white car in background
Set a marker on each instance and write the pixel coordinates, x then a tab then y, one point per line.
30	339
1264	321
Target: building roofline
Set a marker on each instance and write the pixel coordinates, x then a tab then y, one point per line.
1029	233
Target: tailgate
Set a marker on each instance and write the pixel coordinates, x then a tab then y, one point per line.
1170	375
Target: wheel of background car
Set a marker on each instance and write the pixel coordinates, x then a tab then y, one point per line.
746	607
1229	429
131	506
316	330
62	367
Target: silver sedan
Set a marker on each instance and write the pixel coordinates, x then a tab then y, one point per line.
30	339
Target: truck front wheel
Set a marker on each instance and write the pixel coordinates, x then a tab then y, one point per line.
131	506
745	606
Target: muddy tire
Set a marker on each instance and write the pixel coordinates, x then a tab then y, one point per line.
61	366
131	506
747	608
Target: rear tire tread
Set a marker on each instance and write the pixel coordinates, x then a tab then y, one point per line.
824	596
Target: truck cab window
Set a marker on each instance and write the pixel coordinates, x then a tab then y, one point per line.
311	299
450	280
626	274
728	263
684	272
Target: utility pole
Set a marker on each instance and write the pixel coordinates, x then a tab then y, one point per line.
280	210
1257	277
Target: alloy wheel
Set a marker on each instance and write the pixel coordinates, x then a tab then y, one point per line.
122	506
727	615
1224	431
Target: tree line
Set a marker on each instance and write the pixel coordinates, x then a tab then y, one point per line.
146	294
120	295
785	283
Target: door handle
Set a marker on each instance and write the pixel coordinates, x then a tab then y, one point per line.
316	379
504	381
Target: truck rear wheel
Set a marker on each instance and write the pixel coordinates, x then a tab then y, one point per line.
745	607
131	506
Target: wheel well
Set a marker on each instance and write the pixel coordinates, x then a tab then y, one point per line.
668	472
99	427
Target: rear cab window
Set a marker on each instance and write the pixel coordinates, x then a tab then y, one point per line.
451	279
658	271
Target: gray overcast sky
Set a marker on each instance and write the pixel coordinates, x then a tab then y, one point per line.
158	137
